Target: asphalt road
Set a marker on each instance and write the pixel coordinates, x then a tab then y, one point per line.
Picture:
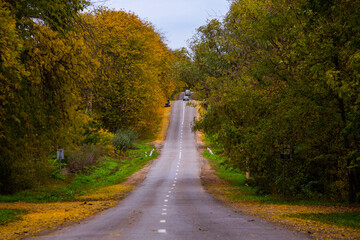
171	203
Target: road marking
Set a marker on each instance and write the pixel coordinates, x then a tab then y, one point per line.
164	213
165	205
164	209
169	191
163	221
183	114
176	173
162	231
166	200
174	184
167	195
175	178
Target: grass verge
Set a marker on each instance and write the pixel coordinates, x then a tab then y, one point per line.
322	220
70	199
10	215
100	188
242	192
346	219
108	172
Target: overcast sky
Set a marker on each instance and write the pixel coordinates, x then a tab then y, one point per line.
177	20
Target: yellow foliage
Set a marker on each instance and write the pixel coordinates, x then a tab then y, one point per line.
106	140
134	80
114	192
165	120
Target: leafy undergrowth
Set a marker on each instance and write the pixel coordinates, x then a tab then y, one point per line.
109	171
322	220
72	200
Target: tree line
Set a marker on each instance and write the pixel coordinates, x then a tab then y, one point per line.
68	77
279	82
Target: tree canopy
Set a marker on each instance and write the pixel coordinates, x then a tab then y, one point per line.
64	73
278	73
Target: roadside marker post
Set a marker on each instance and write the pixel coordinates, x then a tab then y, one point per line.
60	155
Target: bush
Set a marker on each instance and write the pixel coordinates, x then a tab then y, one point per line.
86	156
124	139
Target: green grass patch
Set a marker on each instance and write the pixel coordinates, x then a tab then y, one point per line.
347	219
109	171
240	190
10	215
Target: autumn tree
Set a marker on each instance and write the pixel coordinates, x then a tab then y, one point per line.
134	79
288	77
42	69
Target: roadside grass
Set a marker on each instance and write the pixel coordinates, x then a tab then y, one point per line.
71	198
346	219
240	191
320	219
108	172
10	215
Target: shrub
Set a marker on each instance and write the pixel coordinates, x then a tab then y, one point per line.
124	139
86	156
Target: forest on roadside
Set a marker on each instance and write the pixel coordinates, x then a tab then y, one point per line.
73	79
277	81
279	86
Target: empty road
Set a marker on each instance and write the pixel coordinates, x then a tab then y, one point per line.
171	203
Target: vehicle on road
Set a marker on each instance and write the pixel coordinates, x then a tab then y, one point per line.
186	98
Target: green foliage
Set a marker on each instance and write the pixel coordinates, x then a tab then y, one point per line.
69	79
59	15
107	171
124	139
285	73
248	189
10	215
346	219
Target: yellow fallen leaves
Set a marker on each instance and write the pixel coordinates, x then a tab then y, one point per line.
115	192
42	216
277	213
165	112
